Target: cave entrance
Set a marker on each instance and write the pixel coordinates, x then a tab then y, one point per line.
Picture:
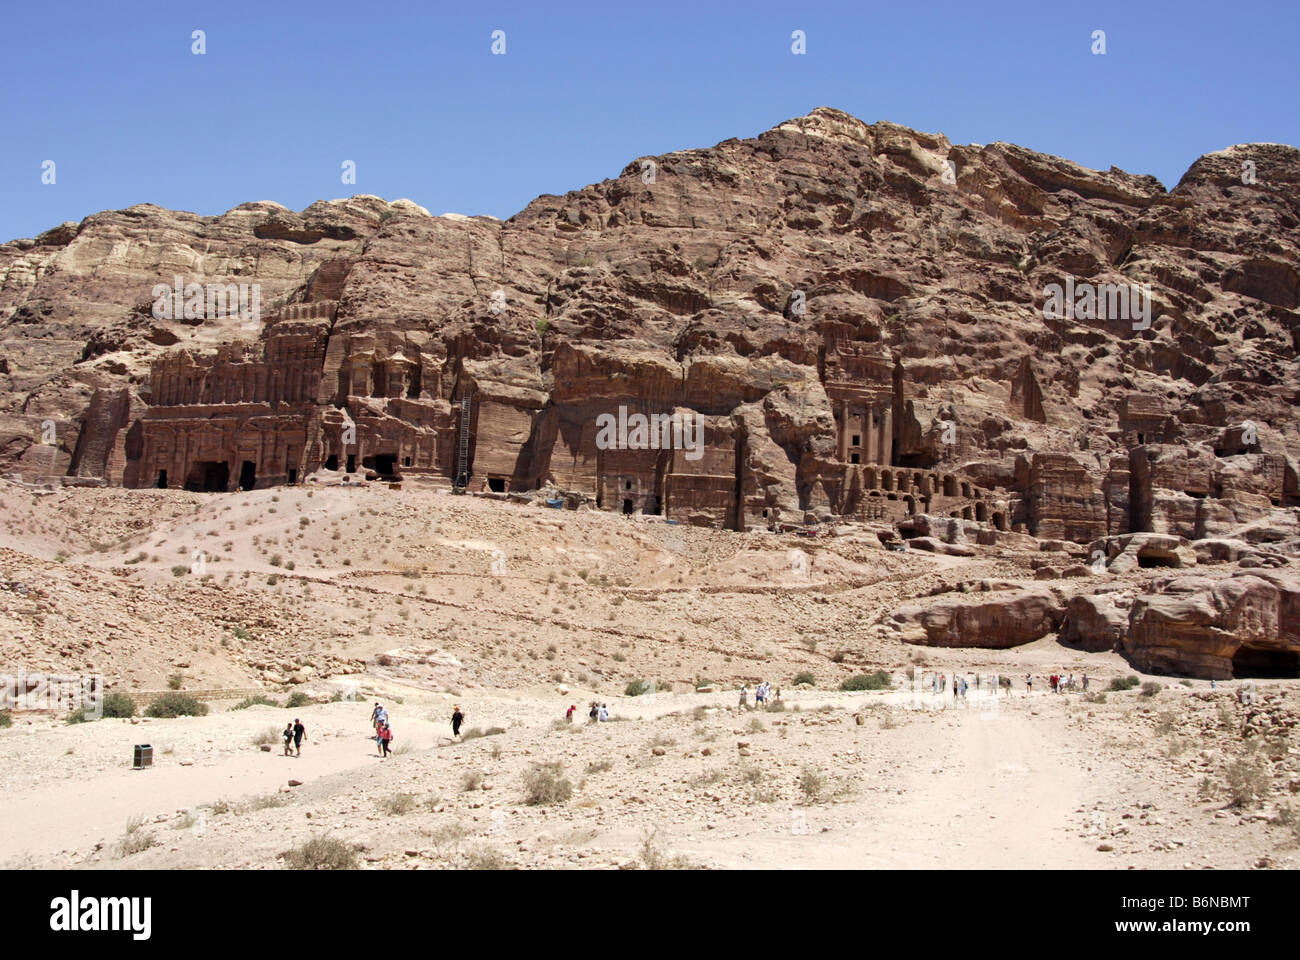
627	506
208	476
162	479
1265	662
352	463
385	464
654	508
332	462
1148	559
497	484
247	475
293	475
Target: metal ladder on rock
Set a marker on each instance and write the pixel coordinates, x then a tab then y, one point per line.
462	466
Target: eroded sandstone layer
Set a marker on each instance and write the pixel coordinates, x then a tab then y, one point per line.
853	312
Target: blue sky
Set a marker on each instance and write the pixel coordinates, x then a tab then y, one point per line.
412	93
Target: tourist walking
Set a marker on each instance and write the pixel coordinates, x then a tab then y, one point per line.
1029	683
299	735
457	718
385	738
568	714
604	713
288	739
744	696
1085	683
594	714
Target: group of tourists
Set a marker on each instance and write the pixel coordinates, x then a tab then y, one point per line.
384	730
294	734
764	695
939	683
1060	684
597	713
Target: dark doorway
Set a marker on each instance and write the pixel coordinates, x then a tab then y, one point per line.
854	458
332	462
385	464
654	508
352	463
1148	559
406	462
627	506
208	476
162	479
293	475
1265	662
497	484
247	475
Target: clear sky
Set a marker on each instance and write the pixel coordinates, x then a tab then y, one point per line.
412	93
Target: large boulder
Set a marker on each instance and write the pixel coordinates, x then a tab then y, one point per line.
996	619
1246	625
1094	622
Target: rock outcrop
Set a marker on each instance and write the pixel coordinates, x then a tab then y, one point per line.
996	618
1247	625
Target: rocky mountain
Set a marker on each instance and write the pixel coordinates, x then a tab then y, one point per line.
859	320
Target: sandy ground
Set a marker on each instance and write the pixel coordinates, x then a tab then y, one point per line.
424	600
1042	781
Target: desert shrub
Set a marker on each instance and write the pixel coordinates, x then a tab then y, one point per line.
545	783
600	766
1246	779
118	705
804	677
176	705
486	858
471	780
880	680
654	857
1150	688
135	839
397	804
268	735
1120	684
6	719
1095	697
175	681
637	687
812	782
321	853
258	700
474	733
297	699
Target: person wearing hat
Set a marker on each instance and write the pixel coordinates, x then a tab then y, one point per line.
457	718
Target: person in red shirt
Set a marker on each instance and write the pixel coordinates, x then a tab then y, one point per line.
568	714
385	737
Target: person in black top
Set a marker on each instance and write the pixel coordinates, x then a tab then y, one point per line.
457	718
299	734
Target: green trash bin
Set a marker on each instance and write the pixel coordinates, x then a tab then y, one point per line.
143	756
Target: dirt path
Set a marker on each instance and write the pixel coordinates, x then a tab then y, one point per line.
956	791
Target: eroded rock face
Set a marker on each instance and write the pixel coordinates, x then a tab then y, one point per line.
857	335
1094	622
996	619
1247	625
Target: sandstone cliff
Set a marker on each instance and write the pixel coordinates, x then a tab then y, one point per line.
855	313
